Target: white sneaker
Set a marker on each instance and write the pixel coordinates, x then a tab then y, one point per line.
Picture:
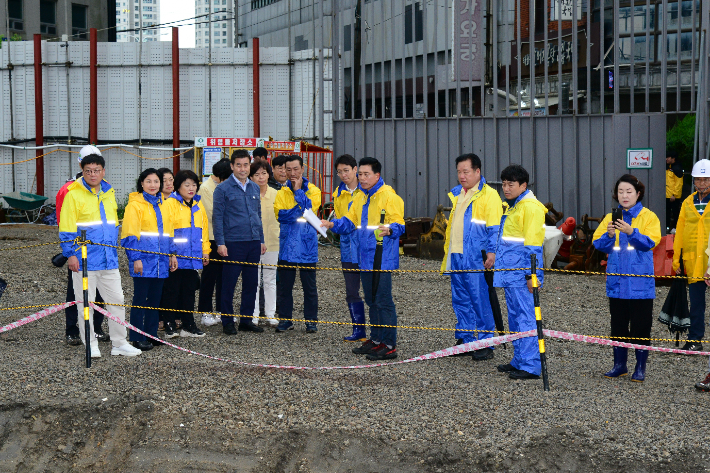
126	350
273	322
209	320
255	320
95	352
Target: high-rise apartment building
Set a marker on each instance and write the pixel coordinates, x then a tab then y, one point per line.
128	20
222	23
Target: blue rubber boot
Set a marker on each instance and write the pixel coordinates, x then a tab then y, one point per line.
640	371
357	314
619	369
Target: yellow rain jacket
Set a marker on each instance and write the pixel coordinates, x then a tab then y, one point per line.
191	230
522	234
363	218
146	227
341	204
96	213
480	225
674	183
691	238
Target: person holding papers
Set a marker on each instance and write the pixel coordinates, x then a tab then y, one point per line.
298	244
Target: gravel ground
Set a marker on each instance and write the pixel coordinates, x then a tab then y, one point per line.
171	411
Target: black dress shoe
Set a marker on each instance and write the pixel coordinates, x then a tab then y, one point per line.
250	327
507	368
522	374
155	343
459	341
101	336
229	329
143	345
482	354
73	340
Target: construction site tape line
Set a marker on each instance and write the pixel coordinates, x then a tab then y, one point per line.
78	241
604	341
36	316
463	348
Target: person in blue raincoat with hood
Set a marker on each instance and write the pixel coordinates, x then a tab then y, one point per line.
629	242
473	226
522	234
298	244
364	218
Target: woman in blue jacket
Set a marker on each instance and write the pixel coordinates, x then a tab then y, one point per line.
629	242
144	228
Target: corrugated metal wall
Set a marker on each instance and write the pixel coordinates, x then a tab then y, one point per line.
285	110
573	161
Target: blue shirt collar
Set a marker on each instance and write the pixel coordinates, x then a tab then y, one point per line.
153	199
373	190
520	197
176	195
344	188
456	191
633	211
304	186
105	186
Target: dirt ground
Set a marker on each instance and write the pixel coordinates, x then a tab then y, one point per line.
172	412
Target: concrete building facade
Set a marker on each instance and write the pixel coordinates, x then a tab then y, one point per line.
221	34
55	18
128	20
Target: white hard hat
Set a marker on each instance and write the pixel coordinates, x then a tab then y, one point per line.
701	168
87	150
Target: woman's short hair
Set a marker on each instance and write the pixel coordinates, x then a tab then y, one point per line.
146	173
628	178
183	175
259	164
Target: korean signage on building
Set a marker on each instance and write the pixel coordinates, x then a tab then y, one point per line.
468	40
564	9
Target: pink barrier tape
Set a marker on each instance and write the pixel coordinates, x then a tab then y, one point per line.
477	345
36	316
603	341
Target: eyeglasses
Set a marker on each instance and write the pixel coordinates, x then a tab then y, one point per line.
92	172
343	172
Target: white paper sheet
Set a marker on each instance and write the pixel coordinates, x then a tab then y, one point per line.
315	222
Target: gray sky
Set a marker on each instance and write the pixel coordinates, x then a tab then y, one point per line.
172	10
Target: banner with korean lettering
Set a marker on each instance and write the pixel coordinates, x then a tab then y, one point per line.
246	143
468	40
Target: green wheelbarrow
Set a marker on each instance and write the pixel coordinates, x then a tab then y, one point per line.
24	206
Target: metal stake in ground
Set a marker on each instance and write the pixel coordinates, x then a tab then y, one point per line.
538	321
85	285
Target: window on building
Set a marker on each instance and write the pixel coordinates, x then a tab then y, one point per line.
147	8
678	17
79	21
14	8
48	17
216	33
347	39
417	18
224	41
256	4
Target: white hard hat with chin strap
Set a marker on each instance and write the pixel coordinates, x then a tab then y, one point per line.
701	169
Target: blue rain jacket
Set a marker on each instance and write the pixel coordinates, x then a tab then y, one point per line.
96	213
630	254
191	230
298	240
366	209
144	228
480	226
522	233
341	204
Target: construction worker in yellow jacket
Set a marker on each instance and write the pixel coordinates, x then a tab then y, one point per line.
691	239
674	189
473	226
521	235
349	188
